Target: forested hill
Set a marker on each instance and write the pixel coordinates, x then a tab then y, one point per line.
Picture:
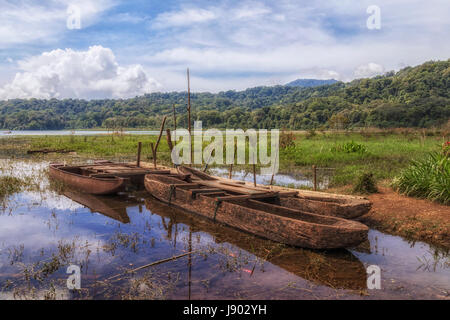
413	97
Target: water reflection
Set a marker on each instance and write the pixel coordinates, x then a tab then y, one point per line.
109	235
336	268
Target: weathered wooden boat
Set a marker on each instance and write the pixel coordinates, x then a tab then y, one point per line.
82	180
338	269
238	208
343	206
102	177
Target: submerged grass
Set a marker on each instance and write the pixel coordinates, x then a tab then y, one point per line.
10	185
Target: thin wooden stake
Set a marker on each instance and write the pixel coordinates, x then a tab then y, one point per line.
152	264
273	173
254	175
138	161
189	115
315	177
174	123
234	157
160	133
154	154
169	140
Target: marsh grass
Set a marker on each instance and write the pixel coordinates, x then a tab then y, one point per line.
426	178
382	152
10	185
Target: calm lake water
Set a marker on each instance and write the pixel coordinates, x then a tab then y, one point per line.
43	231
6	133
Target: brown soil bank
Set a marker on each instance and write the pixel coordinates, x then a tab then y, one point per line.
409	217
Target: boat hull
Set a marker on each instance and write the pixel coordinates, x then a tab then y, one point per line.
336	205
285	225
87	184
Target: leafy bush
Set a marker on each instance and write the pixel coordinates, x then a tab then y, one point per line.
350	147
365	184
428	178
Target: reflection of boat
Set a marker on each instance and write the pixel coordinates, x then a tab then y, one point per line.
111	206
238	208
343	206
338	269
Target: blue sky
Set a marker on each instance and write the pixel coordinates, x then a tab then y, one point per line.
127	48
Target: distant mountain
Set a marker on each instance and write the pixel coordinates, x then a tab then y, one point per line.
306	83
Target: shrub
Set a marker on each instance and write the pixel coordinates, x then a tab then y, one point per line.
428	178
365	184
287	139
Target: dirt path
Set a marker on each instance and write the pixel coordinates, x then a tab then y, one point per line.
409	217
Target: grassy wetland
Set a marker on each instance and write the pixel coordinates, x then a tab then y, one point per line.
132	247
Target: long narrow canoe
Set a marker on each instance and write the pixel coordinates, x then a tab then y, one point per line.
338	269
242	211
337	205
75	177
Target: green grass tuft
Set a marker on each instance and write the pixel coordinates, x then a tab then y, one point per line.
427	178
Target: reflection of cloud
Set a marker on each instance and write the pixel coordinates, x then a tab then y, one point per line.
33	232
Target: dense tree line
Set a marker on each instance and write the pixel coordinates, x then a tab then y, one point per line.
413	97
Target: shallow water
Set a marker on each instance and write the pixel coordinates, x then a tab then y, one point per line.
292	179
42	232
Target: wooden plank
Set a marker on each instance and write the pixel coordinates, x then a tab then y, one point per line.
242	185
194	192
240	189
288	194
249	196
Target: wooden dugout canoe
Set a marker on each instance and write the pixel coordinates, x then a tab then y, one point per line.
75	177
338	269
337	205
270	221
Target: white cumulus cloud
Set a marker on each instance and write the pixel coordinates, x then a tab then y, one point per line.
93	73
369	70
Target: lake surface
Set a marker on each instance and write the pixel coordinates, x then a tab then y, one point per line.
44	231
6	133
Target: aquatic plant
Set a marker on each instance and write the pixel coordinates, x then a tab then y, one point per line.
10	185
